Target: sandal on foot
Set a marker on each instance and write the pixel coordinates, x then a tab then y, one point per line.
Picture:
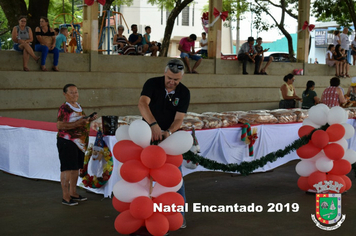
194	72
26	69
43	68
55	69
347	75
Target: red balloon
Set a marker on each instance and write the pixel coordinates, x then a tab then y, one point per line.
168	175
119	205
153	156
141	207
157	224
320	139
308	150
335	132
305	130
334	151
133	171
315	178
125	223
348	182
176	160
303	183
172	200
338	179
175	221
125	150
341	167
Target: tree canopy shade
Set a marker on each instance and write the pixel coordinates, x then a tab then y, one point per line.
287	7
176	6
341	11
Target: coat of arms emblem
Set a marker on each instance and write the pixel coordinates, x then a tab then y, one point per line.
328	206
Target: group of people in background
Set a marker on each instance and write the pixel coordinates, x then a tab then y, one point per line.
255	54
136	44
45	42
332	96
338	51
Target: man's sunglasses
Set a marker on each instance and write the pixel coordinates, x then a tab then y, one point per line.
172	65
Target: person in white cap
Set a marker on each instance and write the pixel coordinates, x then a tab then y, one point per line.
351	92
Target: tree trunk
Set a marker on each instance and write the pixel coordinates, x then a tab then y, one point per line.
169	26
290	42
351	6
13	10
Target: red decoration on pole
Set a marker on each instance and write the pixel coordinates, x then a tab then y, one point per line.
307	25
223	15
91	2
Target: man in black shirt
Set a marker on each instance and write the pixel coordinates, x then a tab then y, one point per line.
163	103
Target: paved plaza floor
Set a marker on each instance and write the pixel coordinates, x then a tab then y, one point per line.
33	207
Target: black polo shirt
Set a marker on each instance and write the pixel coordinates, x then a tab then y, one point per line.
162	109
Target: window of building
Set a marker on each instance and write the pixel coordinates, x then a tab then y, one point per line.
185	16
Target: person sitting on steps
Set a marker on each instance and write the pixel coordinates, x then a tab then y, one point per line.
248	53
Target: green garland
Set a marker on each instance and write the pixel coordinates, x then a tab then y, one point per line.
244	167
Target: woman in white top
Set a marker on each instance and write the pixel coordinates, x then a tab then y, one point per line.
337	37
353	50
330	61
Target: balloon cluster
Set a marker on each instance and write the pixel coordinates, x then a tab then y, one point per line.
326	157
140	165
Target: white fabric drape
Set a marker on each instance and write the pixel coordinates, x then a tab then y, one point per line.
32	153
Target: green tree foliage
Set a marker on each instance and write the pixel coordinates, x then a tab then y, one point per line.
341	11
287	7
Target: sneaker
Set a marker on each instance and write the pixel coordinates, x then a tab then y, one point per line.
184	225
78	199
70	203
245	73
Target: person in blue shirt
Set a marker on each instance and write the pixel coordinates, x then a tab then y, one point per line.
61	40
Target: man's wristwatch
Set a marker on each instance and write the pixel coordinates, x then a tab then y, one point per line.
170	133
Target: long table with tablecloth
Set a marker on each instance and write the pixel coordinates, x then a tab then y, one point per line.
28	148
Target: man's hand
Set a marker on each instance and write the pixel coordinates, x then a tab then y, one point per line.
156	133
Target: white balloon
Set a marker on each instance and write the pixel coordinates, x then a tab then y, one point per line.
140	133
126	192
324	164
308	121
318	115
325	108
119	168
145	182
349	130
336	115
316	157
178	143
305	168
122	133
343	143
159	189
350	156
346	116
189	165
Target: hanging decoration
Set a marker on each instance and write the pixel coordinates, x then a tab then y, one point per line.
98	164
91	2
205	18
308	26
249	137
